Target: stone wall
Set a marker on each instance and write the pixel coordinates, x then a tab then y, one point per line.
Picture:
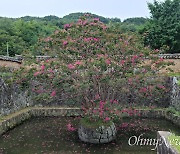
175	96
12	98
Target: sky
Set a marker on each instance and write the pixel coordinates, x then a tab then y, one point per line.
108	8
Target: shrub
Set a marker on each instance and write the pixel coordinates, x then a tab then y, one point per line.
94	62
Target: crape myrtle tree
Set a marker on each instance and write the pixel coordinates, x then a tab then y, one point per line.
163	29
93	63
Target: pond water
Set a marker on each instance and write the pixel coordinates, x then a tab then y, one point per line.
50	136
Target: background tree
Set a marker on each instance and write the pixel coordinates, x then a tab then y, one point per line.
163	29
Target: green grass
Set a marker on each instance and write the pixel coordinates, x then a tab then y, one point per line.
87	123
174	74
175	141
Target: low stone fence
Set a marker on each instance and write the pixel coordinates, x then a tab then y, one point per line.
19	58
12	120
8	122
165	147
12	59
170	56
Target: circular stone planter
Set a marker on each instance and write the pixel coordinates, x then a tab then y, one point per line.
102	134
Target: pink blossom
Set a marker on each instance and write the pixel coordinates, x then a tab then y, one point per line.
161	87
65	43
108	61
53	93
78	63
71	66
107	119
115	102
36	73
141	55
144	70
135	57
88	39
50	71
80	20
126	42
161	59
91	39
85	22
97	96
101	105
87	15
42	67
96	39
39	91
157	50
122	62
100	55
101	113
56	32
48	39
66	26
143	90
104	27
130	81
124	125
96	19
70	127
95	111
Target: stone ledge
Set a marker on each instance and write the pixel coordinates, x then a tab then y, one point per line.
164	147
14	119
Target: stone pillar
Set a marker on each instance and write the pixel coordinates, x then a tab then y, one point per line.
97	136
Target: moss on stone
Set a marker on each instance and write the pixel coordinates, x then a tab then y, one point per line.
87	123
175	141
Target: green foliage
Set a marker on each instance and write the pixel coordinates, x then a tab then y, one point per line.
135	21
163	29
22	35
129	25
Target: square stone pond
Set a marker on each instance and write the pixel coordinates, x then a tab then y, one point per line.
49	135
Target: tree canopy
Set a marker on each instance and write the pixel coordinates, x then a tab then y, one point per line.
163	29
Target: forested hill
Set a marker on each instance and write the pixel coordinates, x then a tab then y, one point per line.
70	18
22	34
